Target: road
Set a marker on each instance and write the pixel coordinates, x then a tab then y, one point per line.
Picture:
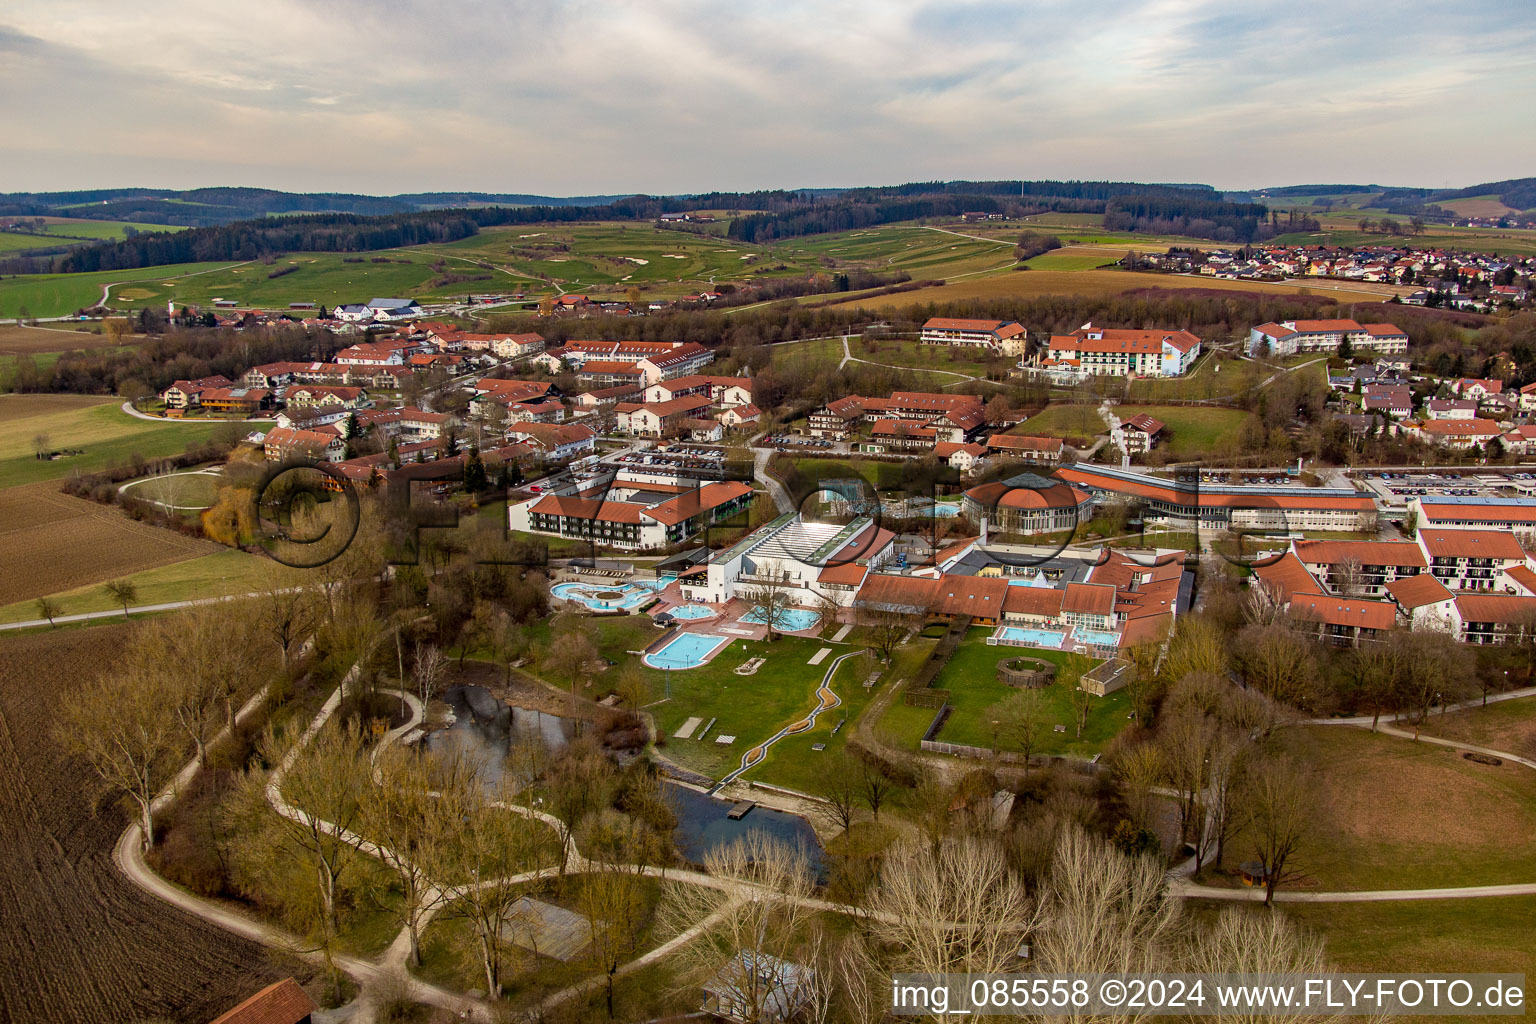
760	456
136	414
137	609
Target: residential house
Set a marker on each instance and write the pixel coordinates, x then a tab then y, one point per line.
1044	450
962	457
1389	399
1137	434
1292	337
1451	409
1458	433
557	441
663	419
282	443
322	396
187	394
242	400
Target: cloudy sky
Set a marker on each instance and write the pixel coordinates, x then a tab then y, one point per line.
384	96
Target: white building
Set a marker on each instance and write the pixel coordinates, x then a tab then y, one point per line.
1108	351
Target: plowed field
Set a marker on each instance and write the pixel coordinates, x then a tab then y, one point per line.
82	944
51	542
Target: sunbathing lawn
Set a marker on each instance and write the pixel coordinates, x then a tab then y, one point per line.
1394	814
1195	429
751	708
971	678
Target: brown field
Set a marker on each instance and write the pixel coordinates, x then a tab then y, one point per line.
1030	283
51	542
17	341
83	944
1478	207
22	407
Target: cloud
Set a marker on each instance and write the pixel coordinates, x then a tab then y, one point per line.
683	95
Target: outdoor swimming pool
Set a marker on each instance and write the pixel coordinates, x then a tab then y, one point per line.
1032	581
686	650
605	597
692	611
1097	638
791	620
1030	637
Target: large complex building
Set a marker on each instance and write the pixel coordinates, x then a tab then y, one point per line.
1294	336
1191	504
1005	336
956	418
630	514
1108	351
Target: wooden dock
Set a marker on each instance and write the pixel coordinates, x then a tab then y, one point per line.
741	809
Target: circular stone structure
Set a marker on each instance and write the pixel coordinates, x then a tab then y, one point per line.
1026	673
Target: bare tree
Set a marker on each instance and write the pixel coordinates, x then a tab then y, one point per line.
1102	911
122	592
886	628
1243	941
769	599
1197	646
1140	770
571	655
428	666
1280	818
842	789
1280	662
1185	740
1023	721
408	815
47	608
757	915
578	782
122	726
42	446
327	782
613	900
875	784
288	617
956	908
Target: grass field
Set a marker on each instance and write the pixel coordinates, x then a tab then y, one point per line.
97	426
1195	428
1508	725
1076	257
68	230
62	294
323	278
915	355
178	491
1390	814
612	257
1059	420
219	574
974	689
791	761
751	708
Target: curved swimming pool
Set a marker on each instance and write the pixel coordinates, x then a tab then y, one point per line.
692	612
791	620
607	597
686	650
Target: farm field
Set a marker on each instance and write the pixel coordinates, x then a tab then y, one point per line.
61	294
221	573
62	231
37	341
52	542
1076	257
323	278
1394	814
1508	725
85	944
971	679
96	425
1027	284
1502	241
920	251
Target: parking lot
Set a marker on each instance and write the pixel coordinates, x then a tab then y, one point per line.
1402	486
673	457
788	442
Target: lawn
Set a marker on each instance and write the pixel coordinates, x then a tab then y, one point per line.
791	761
1076	257
1061	420
1426	936
217	575
1195	429
1394	814
190	490
751	708
62	294
1507	725
96	426
971	678
915	355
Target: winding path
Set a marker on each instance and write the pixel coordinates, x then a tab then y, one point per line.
826	701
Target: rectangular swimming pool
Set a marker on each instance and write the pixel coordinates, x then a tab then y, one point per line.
686	650
1097	638
1030	637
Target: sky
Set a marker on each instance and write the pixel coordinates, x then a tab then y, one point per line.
671	96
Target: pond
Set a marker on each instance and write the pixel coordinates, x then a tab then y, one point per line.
484	726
